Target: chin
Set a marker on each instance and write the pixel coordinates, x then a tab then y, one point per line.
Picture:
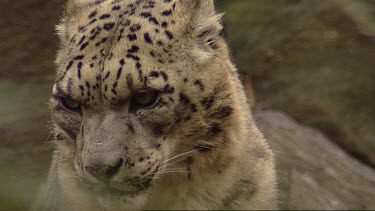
118	202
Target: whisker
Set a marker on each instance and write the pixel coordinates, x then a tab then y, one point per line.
165	172
143	186
179	155
174	169
169	164
47	141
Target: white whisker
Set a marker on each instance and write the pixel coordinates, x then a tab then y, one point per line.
179	155
143	186
169	164
47	139
165	172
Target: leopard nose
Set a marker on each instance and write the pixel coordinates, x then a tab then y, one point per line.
104	172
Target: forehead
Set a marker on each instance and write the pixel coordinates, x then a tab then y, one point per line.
116	46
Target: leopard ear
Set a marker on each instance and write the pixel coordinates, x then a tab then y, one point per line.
72	7
205	22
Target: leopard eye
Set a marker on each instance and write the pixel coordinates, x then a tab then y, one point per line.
71	104
144	99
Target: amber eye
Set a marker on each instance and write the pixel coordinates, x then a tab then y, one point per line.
71	104
144	99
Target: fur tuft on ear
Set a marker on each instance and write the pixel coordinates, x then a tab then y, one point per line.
204	21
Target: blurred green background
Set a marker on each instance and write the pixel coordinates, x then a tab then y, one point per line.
312	59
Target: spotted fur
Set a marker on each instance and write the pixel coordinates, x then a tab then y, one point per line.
195	147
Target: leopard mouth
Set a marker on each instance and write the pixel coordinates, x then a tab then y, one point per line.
119	190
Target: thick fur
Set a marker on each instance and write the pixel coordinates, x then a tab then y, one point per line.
198	146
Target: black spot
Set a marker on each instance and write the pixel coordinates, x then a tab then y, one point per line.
93	14
92	21
152	53
117	7
94	35
81	40
105	88
84	45
88	85
101	42
168	89
108	26
132	37
145	14
185	80
156	30
69	65
135	58
214	128
164	24
110	56
222	113
169	34
81	29
207	102
141	159
147	38
82	90
135	27
203	148
184	99
119	73
106	76
133	49
122	62
113	90
199	83
153	20
127	23
79	66
154	74
166	13
160	43
138	65
160	61
105	16
165	76
193	108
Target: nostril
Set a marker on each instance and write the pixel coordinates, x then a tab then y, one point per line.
104	172
114	169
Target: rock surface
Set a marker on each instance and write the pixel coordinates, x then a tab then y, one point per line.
313	60
314	173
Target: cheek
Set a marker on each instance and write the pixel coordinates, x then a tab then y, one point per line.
69	124
159	121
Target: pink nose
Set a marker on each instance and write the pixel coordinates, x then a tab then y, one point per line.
104	172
